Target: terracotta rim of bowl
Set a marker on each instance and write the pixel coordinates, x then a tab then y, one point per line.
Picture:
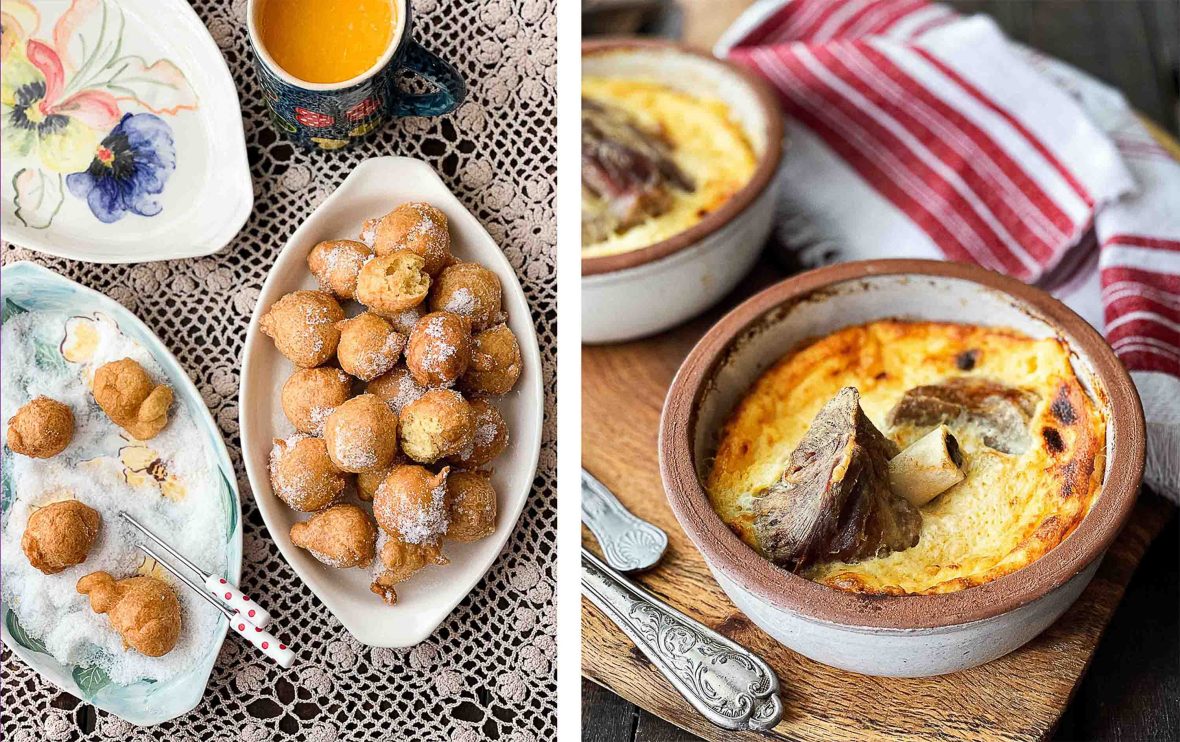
730	556
768	161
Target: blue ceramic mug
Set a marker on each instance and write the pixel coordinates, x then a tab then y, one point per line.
335	115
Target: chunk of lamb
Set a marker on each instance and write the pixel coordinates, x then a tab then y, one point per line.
833	502
627	172
998	413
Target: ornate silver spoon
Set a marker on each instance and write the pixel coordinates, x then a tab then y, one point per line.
629	543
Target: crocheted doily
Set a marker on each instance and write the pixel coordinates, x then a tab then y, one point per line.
489	671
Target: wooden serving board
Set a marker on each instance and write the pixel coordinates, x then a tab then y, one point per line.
1018	697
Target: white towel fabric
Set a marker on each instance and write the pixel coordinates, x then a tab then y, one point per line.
916	132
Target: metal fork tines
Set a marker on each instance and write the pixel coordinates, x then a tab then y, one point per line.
256	635
218	586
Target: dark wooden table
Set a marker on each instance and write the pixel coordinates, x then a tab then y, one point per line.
1132	689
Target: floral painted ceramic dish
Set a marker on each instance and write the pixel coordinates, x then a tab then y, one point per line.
122	141
29	287
373	189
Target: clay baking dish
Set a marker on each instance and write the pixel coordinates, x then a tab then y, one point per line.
644	291
913	635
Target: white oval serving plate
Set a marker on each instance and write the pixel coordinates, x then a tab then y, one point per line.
84	67
372	189
29	287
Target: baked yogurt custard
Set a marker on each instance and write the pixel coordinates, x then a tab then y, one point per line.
816	465
655	162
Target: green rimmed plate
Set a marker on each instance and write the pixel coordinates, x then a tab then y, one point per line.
29	287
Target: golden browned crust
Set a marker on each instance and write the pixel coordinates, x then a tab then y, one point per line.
41	428
1038	496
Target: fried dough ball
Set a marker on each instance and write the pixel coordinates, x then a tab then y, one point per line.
495	362
401	561
60	535
469	290
490	439
361	435
303	475
144	610
336	265
368	482
439	350
417	227
411	504
311	394
397	388
303	326
369	346
405	320
131	399
437	425
391	284
341	536
41	428
471	506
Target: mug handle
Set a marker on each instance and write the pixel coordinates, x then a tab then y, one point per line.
450	87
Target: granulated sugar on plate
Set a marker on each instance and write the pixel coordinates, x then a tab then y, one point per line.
171	484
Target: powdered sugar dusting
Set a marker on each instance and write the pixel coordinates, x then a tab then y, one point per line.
315	314
377	361
417	525
368	233
405	320
377	568
343	257
441	350
486	430
282	445
318	415
327	559
355	447
426	226
294	487
461	301
170	484
408	391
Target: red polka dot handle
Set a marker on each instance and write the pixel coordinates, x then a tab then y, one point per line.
264	640
228	593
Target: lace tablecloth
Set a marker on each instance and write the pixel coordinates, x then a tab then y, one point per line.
489	671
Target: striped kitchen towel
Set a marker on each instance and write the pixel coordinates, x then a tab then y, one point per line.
917	132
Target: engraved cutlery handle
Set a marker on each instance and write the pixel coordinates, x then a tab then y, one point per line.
731	686
628	543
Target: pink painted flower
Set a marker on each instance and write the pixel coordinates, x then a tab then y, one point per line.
40	118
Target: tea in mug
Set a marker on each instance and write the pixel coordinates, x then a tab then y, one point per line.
326	41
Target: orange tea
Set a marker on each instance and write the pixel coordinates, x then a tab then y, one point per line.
326	41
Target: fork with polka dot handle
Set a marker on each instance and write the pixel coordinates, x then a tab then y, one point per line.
217	586
256	635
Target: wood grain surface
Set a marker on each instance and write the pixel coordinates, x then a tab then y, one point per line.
1131	691
1019	697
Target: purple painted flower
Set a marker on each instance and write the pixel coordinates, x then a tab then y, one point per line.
129	169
